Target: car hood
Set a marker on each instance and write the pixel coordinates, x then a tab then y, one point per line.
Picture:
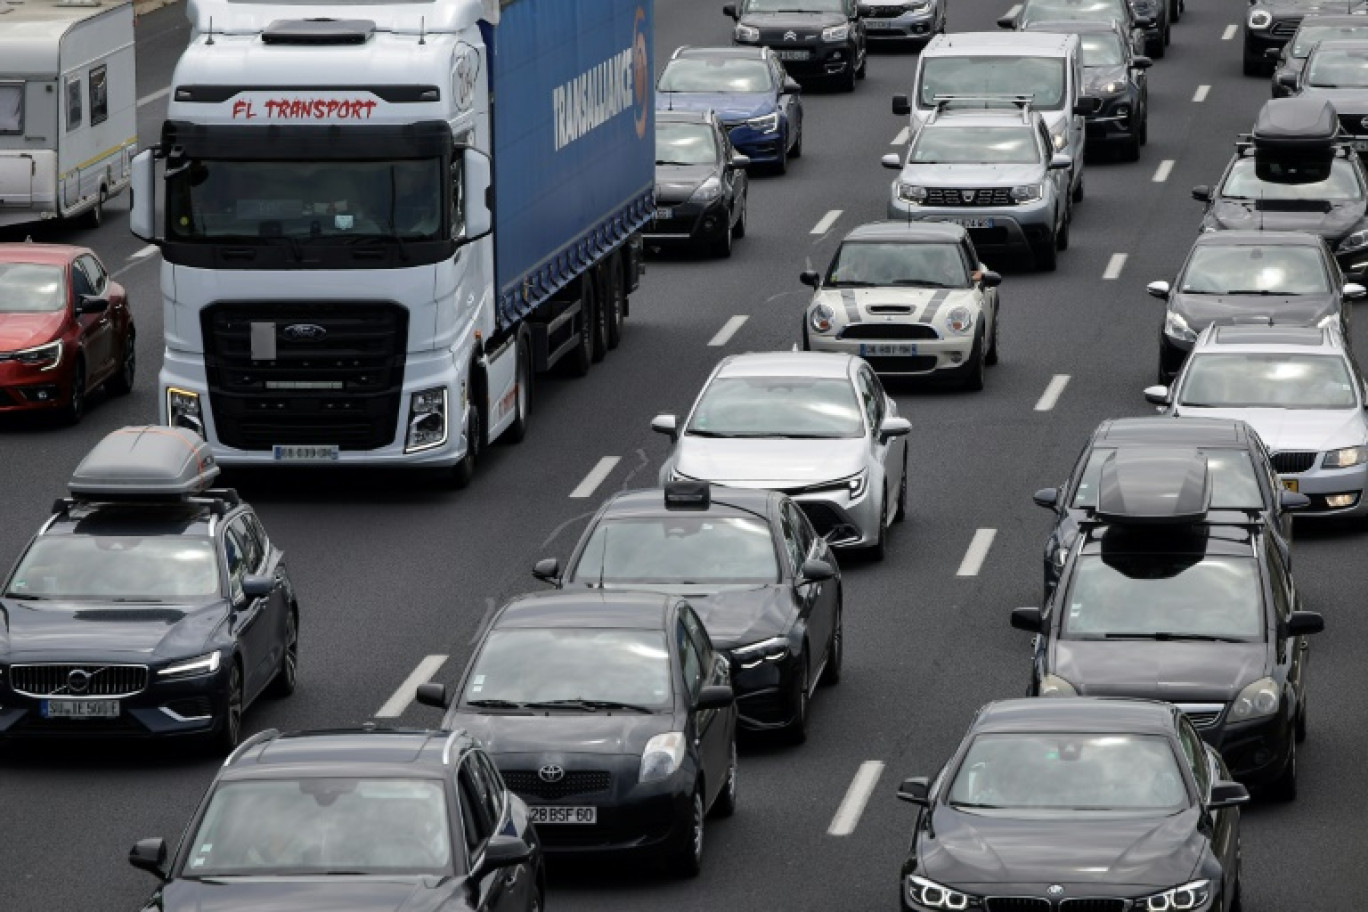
807	25
729	106
1330	219
737	617
1347	102
972	175
973	851
1294	429
76	631
557	732
894	304
306	894
1174	671
1096	76
768	463
25	330
1199	310
676	183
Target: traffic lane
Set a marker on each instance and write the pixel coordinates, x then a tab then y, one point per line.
161	36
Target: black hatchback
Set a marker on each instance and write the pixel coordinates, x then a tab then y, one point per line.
700	186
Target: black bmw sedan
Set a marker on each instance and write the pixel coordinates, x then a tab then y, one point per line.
1115	803
765	585
610	714
701	184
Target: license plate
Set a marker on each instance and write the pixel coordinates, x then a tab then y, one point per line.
547	814
305	453
793	55
1361	145
971	222
876	24
80	709
888	348
664	215
1289	483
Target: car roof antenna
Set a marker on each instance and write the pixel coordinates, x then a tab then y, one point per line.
210	39
422	29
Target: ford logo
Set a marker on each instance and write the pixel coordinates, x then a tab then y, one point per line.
303	332
551	773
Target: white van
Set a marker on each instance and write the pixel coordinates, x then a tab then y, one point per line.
68	107
1044	65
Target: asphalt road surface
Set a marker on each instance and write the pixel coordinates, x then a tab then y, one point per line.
393	569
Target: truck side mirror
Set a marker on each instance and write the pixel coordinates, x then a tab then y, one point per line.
142	214
476	185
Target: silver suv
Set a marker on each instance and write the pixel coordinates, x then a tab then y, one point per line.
987	163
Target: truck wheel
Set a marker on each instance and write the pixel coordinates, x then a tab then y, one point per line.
464	472
582	358
617	303
522	397
600	323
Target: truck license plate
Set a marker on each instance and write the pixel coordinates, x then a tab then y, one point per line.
305	453
80	709
546	814
793	55
885	349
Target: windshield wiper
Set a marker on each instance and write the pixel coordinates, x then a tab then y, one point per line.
851	283
588	705
28	598
923	283
1164	635
695	432
496	704
970	804
666	161
1263	292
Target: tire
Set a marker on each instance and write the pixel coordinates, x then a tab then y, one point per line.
93	217
879	550
1300	729
1062	235
1155	48
1175	11
847	82
900	512
226	737
1130	149
976	368
76	403
722	247
992	357
863	71
121	384
1168	34
797	729
725	805
617	303
522	399
807	345
797	150
1078	191
582	358
464	472
599	325
687	859
1284	788
286	677
739	230
1144	127
831	674
781	166
1045	258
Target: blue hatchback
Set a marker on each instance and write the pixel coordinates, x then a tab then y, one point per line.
750	93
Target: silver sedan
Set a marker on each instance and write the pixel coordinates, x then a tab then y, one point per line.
817	426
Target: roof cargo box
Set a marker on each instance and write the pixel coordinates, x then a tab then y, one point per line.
149	462
1153	486
1295	140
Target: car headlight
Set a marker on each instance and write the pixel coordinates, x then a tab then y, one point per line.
1346	457
1353	242
1028	192
960	320
836	33
857	483
917	5
1257	701
766	123
707	191
1060	140
928	893
820	317
663	755
910	193
1115	87
44	357
746	33
1193	895
183	410
1176	327
1260	19
1055	686
774	649
427	427
200	665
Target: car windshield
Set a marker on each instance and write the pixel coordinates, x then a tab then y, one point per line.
323	826
117	568
819	407
1217	269
715	74
1217	380
1243	183
1233	483
913	265
679	549
31	288
1069	772
328	202
994	75
1309	35
1073	10
1153	595
793	6
975	145
1337	69
1101	49
540	665
685	144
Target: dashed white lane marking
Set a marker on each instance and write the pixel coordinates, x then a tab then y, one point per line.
1200	95
856	797
728	330
1229	32
148	99
396	704
1115	265
1053	390
978	550
901	138
595	477
1161	173
827	221
144	252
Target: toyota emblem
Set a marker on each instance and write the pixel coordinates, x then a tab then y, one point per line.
552	772
790	36
302	332
78	680
1055	890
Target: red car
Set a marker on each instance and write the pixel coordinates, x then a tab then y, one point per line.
65	329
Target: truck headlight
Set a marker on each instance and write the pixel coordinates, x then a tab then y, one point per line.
836	33
707	191
820	317
427	425
183	410
746	33
774	649
910	193
1027	193
1346	457
1260	19
663	755
1176	327
44	357
960	320
767	123
200	665
1257	701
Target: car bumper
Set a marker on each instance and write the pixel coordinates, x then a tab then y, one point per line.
820	60
1257	43
1018	228
24	388
1117	121
761	148
926	357
1256	752
689	223
917	26
187	706
763	694
828	510
1319	484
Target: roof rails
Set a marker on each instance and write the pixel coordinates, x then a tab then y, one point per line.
1153	487
269	734
219	501
1021	102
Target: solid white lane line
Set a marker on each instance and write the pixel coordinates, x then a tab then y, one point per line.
395	705
144	252
827	221
1201	93
595	477
728	330
148	99
1115	265
856	797
901	138
1053	390
1229	32
978	550
1162	172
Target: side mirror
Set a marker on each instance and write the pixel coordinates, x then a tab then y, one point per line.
1141	62
916	790
503	851
149	855
1287	80
667	425
1027	619
1006	22
1161	290
255	587
892	161
93	304
894	427
815	571
1273	53
991	279
1304	623
901	105
729	10
1060	162
1046	497
792	86
142	214
1292	500
430	693
716	696
1227	794
1354	292
547	569
810	278
1087	104
1201	193
738	160
1157	395
477	182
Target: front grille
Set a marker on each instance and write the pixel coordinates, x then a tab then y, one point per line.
100	680
889	331
1353	124
576	782
981	196
1016	904
341	385
1293	462
1094	904
1284	28
1202	715
894	364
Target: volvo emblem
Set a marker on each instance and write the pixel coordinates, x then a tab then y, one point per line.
551	773
1364	123
303	332
968	195
78	680
790	36
1055	890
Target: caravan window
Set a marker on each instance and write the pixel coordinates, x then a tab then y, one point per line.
11	107
99	95
73	98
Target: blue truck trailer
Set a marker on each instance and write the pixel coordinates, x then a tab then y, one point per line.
379	226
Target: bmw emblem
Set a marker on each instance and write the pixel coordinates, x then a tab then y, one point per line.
303	332
552	772
1055	890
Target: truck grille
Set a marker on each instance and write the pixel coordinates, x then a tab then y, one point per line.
969	196
1293	462
340	383
576	782
67	680
889	331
